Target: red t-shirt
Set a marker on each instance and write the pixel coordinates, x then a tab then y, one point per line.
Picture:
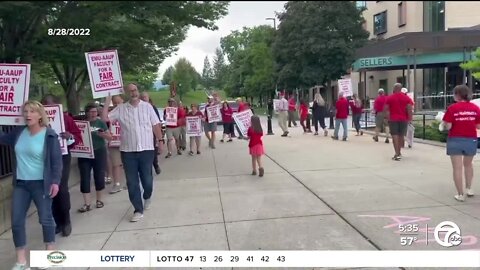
241	107
379	103
227	115
181	121
291	105
464	117
342	108
355	109
255	138
303	111
397	105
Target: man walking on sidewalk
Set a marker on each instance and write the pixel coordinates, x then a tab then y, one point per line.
398	110
283	115
381	123
138	123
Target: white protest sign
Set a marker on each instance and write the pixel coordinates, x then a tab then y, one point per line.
345	86
104	72
115	130
213	113
243	120
14	89
171	116
194	126
55	117
276	104
85	149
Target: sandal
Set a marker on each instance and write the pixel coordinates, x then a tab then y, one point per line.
85	208
99	204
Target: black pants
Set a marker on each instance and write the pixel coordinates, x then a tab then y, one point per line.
356	121
155	157
98	164
319	119
61	202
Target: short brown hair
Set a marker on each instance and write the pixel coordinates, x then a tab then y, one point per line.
463	92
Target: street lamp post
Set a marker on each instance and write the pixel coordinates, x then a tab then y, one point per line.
270	115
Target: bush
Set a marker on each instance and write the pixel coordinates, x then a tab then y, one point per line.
431	132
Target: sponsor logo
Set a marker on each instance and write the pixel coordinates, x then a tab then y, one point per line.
56	257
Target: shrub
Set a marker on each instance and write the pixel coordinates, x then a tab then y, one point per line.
431	132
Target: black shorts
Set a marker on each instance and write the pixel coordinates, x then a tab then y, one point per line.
398	128
228	128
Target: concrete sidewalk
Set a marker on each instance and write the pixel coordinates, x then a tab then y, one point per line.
317	194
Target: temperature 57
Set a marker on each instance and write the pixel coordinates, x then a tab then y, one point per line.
407	240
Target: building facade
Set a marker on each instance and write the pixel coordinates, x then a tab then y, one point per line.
419	44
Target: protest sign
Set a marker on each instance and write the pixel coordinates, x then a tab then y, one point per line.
85	149
276	104
171	116
14	86
214	114
194	126
115	130
55	117
243	120
104	72
345	86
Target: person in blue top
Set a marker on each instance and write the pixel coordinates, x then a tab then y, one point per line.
36	177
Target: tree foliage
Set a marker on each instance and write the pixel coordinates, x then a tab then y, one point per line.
168	75
474	65
185	76
144	33
316	41
251	69
207	74
219	66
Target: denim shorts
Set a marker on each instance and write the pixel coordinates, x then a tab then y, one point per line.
461	146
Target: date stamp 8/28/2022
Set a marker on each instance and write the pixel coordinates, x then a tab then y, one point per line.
68	32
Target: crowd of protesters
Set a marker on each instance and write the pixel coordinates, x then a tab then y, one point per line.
42	172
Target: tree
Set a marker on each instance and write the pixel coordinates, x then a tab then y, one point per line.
168	75
251	69
316	41
154	30
207	74
474	65
183	76
218	69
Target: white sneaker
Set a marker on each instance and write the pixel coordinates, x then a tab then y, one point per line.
20	267
136	217
116	188
460	198
147	204
470	192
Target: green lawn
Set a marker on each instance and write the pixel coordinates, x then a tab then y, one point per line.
160	98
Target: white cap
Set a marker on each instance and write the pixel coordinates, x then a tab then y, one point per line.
404	90
381	90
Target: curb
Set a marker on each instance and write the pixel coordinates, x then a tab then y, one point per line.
417	140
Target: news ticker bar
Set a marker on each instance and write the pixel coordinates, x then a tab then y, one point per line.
257	258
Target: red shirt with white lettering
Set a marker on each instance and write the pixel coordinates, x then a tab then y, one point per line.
464	116
342	108
397	106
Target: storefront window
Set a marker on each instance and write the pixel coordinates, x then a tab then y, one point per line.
433	16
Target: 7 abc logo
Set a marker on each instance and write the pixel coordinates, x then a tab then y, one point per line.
451	235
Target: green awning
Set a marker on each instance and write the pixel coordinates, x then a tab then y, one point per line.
391	62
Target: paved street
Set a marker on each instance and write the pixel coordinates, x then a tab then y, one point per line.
317	194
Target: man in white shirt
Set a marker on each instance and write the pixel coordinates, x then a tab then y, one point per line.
283	115
138	124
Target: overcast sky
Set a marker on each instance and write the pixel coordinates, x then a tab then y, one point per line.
201	42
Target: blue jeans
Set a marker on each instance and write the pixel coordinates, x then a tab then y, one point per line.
138	165
23	194
337	127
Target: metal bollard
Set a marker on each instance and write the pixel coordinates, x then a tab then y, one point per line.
269	124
